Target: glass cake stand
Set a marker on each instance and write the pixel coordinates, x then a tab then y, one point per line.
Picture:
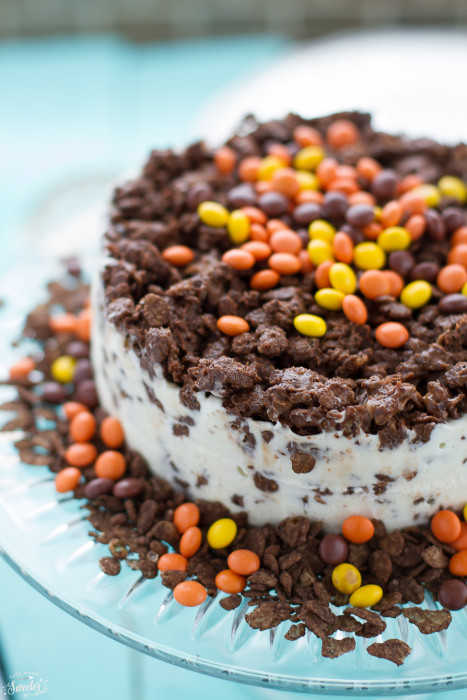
44	537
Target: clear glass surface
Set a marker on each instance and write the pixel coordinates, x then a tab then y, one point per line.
44	537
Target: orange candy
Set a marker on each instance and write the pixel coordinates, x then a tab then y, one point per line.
347	185
372	231
392	334
225	159
238	259
458	564
342	247
263	186
396	283
83	325
285	241
190	593
111	432
413	203
256	216
342	133
81	454
248	168
65	323
306	264
458	254
83	427
258	249
110	465
408	183
22	368
368	168
284	263
274	225
185	516
451	278
309	196
280	151
362	198
307	136
244	562
346	171
354	308
178	255
190	541
391	214
416	225
67	479
265	279
232	325
461	542
374	283
258	233
285	180
172	562
446	526
72	408
459	236
322	280
230	582
358	529
326	171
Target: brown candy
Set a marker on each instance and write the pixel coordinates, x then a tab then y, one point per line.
452	594
333	549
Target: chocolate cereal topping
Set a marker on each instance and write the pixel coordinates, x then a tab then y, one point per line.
344	380
133	515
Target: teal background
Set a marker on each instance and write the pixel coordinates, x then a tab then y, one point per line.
75	110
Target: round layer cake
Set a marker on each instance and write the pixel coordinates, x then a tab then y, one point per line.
281	324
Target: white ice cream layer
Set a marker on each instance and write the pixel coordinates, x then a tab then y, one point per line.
212	459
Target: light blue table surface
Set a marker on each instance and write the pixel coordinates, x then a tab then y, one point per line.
71	109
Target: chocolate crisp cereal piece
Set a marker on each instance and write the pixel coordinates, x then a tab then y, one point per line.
374	624
171	578
231	602
394	650
268	614
333	648
302	463
435	557
110	565
295	632
428	621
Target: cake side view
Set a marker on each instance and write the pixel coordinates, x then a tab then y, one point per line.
281	324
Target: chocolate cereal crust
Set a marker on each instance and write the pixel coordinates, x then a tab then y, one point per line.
344	381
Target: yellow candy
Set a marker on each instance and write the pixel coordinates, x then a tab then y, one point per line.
268	167
394	238
369	256
416	294
238	227
329	298
346	578
343	278
322	230
319	251
378	212
311	325
366	596
308	158
222	533
451	186
465	513
464	289
306	180
213	214
430	193
63	369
